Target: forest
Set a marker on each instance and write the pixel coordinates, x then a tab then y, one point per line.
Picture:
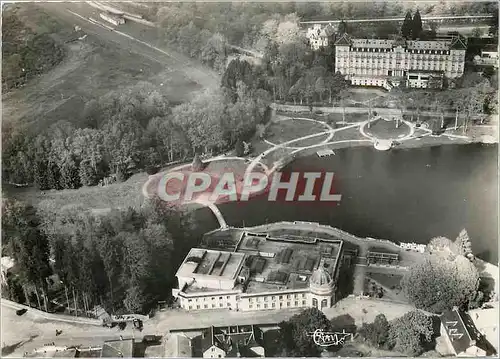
124	261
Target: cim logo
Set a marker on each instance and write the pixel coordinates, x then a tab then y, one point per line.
187	186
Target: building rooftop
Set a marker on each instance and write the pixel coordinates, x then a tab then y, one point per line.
207	262
118	349
283	261
373	43
462	332
233	340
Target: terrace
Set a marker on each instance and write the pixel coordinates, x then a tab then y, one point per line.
286	262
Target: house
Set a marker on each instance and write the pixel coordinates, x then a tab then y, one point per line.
233	341
461	335
488	56
118	349
486	322
319	36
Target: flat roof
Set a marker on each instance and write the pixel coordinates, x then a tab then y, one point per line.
277	261
213	263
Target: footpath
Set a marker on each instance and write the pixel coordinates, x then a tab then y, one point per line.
49	316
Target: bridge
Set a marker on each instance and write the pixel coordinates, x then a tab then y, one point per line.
400	19
218	215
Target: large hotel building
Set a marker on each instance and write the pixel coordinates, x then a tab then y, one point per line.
261	272
388	63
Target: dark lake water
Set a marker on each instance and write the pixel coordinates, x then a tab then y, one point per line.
407	195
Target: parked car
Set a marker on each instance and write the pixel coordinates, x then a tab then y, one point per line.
21	311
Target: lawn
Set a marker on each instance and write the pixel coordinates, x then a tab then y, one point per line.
386	130
287	130
363	95
90	69
389	281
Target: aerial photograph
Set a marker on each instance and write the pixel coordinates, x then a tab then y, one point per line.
249	179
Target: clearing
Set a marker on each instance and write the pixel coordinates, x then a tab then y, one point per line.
101	62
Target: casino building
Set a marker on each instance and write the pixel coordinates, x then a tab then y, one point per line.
389	63
261	273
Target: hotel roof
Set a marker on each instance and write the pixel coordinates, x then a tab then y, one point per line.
276	263
214	263
373	43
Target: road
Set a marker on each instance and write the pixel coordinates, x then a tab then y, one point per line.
29	332
127	36
384	19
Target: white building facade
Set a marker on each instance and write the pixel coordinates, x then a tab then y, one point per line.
388	63
237	289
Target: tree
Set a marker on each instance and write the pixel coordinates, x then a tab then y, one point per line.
416	28
463	244
295	333
439	283
197	164
441	244
407	26
239	148
320	87
477	32
342	28
411	333
27	244
377	332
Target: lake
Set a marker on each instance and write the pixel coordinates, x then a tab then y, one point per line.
407	195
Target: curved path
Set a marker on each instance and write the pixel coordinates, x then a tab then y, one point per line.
268	171
329	128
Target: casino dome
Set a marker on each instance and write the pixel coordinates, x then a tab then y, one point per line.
320	278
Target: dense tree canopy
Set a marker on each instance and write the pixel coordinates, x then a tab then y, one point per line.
439	283
295	334
411	334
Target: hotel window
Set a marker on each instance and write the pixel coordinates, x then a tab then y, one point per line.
227	297
273	297
250	306
228	304
190	300
213	298
250	300
198	306
220	298
205	306
190	307
281	297
287	304
258	306
303	302
288	296
204	298
213	305
296	304
296	295
265	299
273	305
220	305
265	306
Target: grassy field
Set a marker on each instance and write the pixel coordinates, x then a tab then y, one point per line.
92	67
287	130
385	130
